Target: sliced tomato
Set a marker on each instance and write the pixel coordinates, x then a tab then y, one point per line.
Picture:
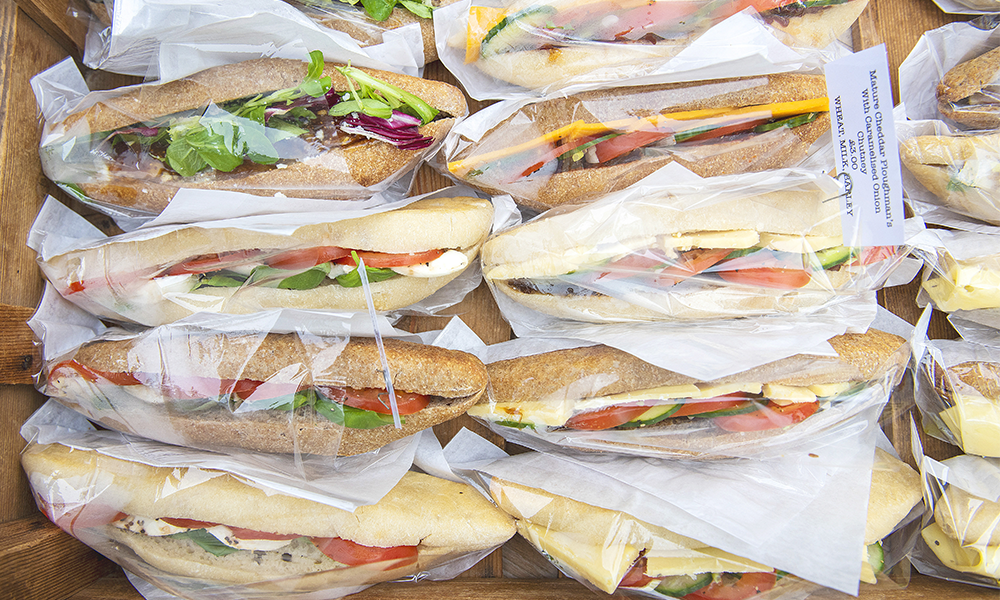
633	264
377	400
768	277
93	375
306	257
188	523
697	407
691	263
873	254
636	576
350	553
735	586
772	416
553	153
605	418
761	6
627	142
383	260
75	287
206	263
238	532
192	388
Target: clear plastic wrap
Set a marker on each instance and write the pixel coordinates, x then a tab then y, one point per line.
564	149
960	540
498	49
676	247
599	398
961	270
208	534
125	36
268	127
413	250
288	382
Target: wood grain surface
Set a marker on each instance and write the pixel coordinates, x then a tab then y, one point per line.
48	564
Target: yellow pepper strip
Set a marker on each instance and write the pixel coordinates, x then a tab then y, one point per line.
779	110
481	20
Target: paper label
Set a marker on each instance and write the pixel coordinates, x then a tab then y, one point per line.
865	146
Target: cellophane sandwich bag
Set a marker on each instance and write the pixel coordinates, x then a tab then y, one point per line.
961	272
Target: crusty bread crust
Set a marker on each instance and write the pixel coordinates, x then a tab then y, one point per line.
982	377
934	160
962	81
453	223
339	173
454	379
819	29
440	517
778	148
896	488
968	518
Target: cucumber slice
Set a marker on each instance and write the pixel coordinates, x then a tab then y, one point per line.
514	32
876	557
831	257
749	407
652	416
682	585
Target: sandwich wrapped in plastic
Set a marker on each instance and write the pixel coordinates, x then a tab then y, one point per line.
269	127
284	382
203	533
962	541
564	149
416	254
682	529
496	47
131	36
961	270
681	248
600	398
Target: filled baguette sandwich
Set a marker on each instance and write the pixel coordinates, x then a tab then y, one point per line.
960	170
535	43
968	93
598	397
776	252
970	394
268	127
968	283
191	530
151	279
616	552
281	393
562	150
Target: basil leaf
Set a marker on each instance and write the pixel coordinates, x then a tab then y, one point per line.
298	399
306	280
332	411
208	542
358	418
353	279
184	158
221	279
418	8
378	9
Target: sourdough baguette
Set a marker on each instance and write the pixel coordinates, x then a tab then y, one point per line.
442	518
956	170
960	85
454	380
117	275
339	172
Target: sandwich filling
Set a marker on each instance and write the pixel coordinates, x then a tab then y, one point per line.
964	285
718	258
299	269
581	145
365	408
265	131
736	407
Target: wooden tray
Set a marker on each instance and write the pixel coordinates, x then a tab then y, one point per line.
39	562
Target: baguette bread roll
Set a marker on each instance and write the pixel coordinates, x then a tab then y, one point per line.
442	519
959	170
336	172
119	276
896	489
454	380
781	147
970	395
960	93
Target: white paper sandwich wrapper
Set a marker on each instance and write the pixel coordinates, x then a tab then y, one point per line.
167	39
803	513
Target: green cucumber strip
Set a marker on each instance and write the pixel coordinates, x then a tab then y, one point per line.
516	424
831	257
749	407
221	279
508	30
876	557
790	122
579	151
653	421
682	585
208	542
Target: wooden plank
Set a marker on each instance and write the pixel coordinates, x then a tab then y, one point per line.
53	17
19	357
34	550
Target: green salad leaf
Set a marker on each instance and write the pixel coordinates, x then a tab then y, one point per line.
207	541
353	278
370	88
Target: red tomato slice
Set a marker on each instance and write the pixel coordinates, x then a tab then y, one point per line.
605	418
633	264
768	277
192	388
306	257
350	553
383	260
691	263
206	263
736	586
377	400
553	153
627	142
873	254
189	523
636	576
768	417
93	375
239	532
697	407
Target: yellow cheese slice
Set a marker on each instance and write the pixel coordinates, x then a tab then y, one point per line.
603	565
967	287
825	390
975	421
668	563
788	393
737	238
798	243
868	573
965	559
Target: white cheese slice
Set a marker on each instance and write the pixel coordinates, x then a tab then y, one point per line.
686	561
737	238
826	390
450	262
965	559
975	421
158	528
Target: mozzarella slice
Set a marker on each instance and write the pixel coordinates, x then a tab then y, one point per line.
450	262
158	528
